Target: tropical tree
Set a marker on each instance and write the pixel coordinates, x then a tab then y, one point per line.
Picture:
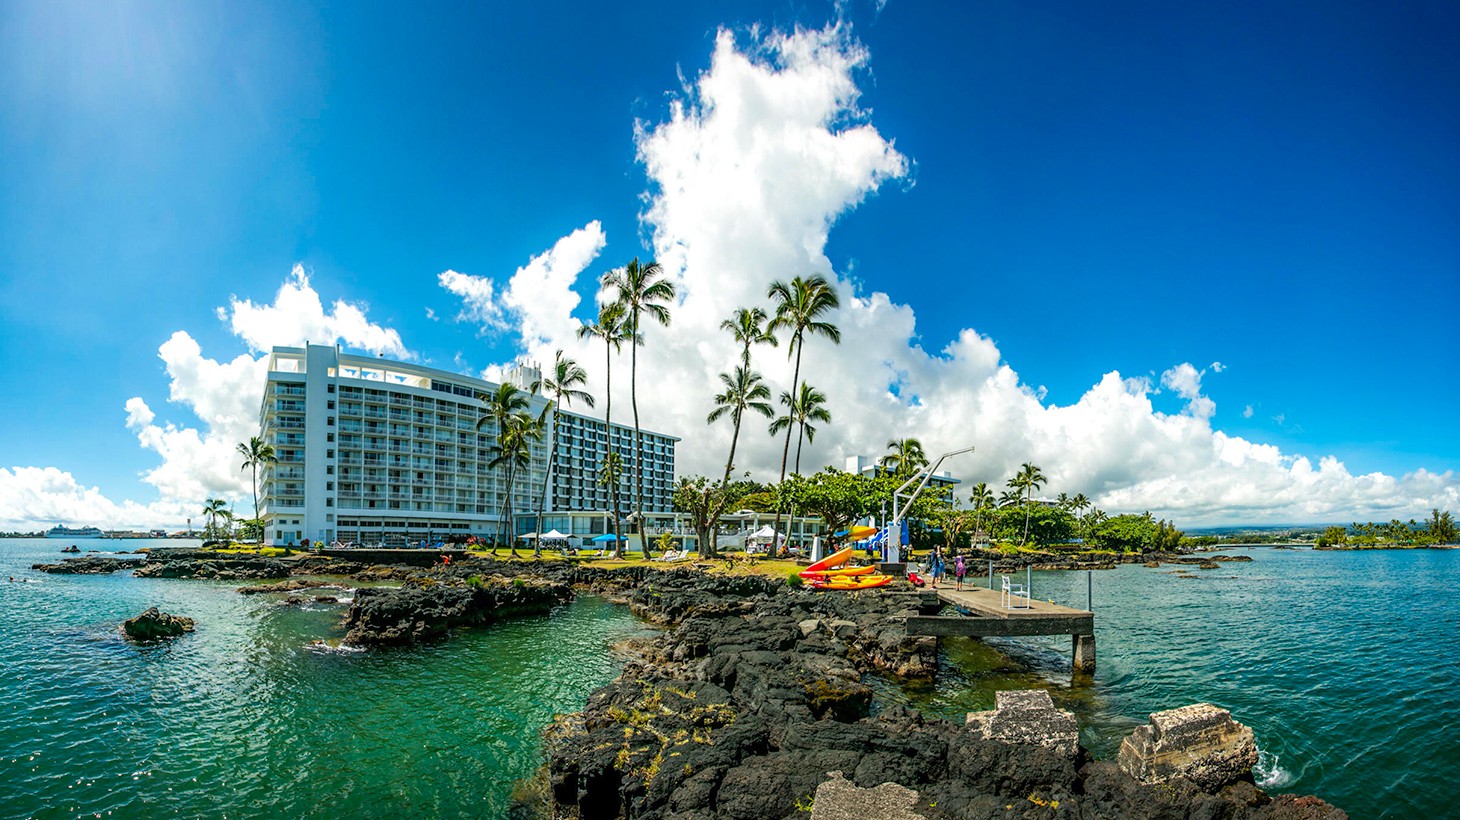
743	391
610	475
640	289
905	457
214	509
801	410
1029	479
513	451
748	326
506	401
799	306
982	499
611	329
1011	496
255	452
564	383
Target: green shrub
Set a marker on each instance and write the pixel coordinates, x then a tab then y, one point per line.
794	580
474	581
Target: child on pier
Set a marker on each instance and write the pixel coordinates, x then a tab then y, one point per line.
959	569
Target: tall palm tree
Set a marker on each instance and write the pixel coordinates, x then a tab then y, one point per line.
982	499
906	456
1030	478
255	452
1079	503
500	405
641	290
564	382
809	406
513	451
213	509
611	328
1011	496
743	391
799	305
748	326
610	475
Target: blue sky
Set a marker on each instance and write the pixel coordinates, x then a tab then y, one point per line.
1090	189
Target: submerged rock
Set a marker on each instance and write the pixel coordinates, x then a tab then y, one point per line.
154	625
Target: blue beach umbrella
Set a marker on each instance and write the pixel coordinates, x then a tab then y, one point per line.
608	536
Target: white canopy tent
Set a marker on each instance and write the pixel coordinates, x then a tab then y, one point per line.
554	535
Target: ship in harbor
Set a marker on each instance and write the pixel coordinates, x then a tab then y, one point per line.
59	531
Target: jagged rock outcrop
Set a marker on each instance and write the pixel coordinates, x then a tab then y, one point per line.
291	585
231	569
154	625
1027	717
742	707
89	565
425	609
1200	743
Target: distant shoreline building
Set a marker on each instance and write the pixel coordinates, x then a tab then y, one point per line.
379	451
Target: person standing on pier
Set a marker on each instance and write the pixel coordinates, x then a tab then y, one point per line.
959	569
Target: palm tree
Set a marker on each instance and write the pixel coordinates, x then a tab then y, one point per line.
1079	503
256	452
1011	496
610	475
640	290
514	451
1031	479
213	509
743	391
801	411
798	306
567	377
982	499
906	457
611	329
500	405
748	326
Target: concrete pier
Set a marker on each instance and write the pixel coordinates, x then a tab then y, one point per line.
988	617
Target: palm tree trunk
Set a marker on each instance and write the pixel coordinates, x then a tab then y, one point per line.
730	462
638	437
1028	498
256	520
786	450
547	479
618	547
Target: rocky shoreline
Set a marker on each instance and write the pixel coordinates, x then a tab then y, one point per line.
752	704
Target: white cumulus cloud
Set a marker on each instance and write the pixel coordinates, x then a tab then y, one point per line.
759	156
297	316
197	457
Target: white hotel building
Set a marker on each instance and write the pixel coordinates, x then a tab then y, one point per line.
378	451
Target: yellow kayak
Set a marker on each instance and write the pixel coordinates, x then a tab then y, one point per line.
851	582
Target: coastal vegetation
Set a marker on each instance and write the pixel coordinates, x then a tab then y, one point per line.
1436	530
256	452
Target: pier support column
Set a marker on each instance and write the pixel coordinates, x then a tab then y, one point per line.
1083	656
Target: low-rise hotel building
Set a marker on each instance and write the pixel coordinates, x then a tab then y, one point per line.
377	451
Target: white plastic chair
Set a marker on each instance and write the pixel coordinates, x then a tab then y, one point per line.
1012	592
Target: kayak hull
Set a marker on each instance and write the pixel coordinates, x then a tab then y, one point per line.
853	582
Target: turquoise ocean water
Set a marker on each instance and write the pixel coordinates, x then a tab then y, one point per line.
1347	665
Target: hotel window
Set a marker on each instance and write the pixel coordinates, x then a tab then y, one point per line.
329	437
329	405
330	388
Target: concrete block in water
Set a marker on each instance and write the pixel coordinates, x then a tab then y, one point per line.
1027	717
1201	743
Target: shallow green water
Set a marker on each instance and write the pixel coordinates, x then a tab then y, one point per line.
1345	664
243	718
